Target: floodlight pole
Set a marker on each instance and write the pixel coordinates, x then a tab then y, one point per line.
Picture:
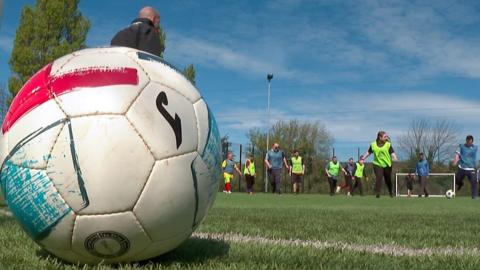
269	78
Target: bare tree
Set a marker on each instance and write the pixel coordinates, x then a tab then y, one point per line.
434	139
310	138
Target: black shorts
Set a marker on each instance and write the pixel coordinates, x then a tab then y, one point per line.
410	185
296	178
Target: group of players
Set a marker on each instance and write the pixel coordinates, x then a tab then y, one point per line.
383	156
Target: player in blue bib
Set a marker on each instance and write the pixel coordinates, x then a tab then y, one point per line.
466	159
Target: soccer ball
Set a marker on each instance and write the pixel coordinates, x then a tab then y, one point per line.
109	155
449	194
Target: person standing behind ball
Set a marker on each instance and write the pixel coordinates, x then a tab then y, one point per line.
466	158
142	34
383	154
274	161
228	168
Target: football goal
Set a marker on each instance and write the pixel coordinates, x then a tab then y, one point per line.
437	184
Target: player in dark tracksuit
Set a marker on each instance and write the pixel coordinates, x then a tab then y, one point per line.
350	170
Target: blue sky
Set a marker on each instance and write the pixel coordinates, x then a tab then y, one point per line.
356	66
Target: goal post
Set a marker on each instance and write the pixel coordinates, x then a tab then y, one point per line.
437	184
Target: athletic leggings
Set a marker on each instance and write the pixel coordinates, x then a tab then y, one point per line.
333	184
358	185
380	174
250	179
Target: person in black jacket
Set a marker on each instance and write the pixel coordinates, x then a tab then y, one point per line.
142	34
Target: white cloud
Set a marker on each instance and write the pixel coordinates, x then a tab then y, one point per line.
201	51
244	118
6	43
429	36
393	41
356	113
358	117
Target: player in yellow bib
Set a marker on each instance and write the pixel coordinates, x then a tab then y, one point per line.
228	168
249	172
359	175
383	154
332	169
297	170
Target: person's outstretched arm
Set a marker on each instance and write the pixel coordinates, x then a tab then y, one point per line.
238	171
367	153
456	159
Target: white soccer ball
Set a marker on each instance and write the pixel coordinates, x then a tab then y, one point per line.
449	194
109	154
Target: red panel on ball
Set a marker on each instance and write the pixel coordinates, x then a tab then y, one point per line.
43	87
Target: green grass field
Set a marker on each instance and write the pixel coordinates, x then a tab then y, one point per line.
267	231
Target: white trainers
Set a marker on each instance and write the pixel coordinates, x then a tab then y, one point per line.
229	192
348	194
338	189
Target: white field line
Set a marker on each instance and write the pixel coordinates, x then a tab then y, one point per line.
4	212
387	249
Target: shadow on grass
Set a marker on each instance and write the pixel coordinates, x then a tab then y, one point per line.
192	251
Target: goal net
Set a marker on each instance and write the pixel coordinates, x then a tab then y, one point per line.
437	184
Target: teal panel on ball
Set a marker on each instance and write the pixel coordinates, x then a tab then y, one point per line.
212	152
32	198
